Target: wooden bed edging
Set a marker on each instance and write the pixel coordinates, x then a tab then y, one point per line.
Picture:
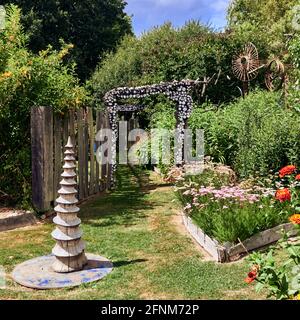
17	221
229	253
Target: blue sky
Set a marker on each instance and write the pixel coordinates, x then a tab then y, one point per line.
150	13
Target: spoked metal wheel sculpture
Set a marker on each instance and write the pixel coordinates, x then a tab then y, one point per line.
275	75
246	66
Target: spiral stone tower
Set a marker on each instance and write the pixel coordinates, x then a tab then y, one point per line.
69	249
68	265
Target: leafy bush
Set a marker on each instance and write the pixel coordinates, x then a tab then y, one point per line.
253	135
28	80
167	54
294	95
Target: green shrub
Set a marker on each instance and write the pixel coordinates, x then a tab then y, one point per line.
293	89
28	80
253	135
166	54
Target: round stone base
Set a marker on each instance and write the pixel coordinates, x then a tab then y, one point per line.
38	273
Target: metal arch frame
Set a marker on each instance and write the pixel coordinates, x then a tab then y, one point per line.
177	91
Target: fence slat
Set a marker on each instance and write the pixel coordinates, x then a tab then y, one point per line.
65	129
42	157
92	152
109	166
72	126
57	154
103	166
97	177
86	157
80	149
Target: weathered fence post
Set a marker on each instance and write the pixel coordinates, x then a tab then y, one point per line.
92	185
98	127
42	157
109	165
57	153
80	153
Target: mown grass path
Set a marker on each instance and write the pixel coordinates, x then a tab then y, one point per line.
136	227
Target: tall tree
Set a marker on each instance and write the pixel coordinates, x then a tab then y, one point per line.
93	26
272	19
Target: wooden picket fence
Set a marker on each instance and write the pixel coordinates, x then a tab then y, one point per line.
49	134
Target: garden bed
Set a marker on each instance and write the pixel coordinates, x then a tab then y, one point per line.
233	252
12	219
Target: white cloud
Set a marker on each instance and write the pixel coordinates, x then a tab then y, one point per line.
165	3
219	5
219	22
149	13
183	3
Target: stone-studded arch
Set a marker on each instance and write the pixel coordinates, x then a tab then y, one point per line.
178	91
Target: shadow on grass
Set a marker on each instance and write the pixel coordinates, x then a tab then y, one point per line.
118	264
123	206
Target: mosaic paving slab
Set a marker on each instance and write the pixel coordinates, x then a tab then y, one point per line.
38	274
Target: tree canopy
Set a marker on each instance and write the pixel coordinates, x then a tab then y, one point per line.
92	26
167	53
271	19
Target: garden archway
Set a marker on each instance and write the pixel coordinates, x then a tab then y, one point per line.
179	92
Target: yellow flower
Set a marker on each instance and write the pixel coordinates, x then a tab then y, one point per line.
295	219
7	74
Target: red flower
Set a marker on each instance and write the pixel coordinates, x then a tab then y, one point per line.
252	275
295	219
283	195
297	177
286	171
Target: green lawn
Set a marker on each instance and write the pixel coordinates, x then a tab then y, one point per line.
138	228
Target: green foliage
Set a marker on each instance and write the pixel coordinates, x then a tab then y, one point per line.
166	54
93	26
270	20
280	278
294	92
117	69
253	135
28	80
229	214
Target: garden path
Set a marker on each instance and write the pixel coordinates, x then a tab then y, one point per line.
135	227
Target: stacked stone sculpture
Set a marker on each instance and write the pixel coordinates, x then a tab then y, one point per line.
69	249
